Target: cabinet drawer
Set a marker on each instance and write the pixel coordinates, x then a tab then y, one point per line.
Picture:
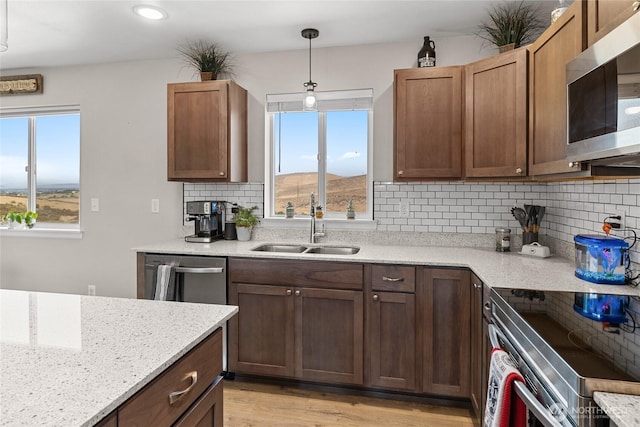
151	406
396	278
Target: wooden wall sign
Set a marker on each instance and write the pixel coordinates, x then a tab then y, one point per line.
16	85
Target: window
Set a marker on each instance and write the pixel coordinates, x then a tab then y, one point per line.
326	152
40	164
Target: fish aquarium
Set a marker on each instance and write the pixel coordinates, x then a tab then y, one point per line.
600	259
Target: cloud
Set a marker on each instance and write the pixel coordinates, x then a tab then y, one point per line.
309	157
350	155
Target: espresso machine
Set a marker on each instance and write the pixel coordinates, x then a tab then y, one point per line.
209	221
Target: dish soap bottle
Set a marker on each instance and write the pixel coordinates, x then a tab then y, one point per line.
289	210
351	212
427	55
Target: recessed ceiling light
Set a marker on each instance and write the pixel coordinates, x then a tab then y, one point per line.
150	12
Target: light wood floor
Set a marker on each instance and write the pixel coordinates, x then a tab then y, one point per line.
266	405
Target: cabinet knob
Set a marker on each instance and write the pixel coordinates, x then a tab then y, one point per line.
288	291
400	172
221	173
519	171
636	6
375	297
297	293
475	285
487	306
574	164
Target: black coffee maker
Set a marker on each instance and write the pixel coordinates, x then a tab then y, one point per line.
209	221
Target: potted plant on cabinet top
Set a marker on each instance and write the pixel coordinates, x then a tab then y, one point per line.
511	25
207	58
245	220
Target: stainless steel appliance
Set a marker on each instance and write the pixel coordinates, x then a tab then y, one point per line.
209	219
199	279
561	371
603	90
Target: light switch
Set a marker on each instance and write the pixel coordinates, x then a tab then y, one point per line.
95	204
155	205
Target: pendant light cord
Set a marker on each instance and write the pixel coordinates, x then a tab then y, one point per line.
310	59
279	140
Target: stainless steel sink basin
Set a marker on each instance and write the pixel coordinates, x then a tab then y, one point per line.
333	250
296	249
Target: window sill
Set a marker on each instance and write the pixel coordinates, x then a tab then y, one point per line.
333	224
46	233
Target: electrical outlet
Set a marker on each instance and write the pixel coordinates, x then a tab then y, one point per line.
95	204
622	211
92	290
155	205
404	208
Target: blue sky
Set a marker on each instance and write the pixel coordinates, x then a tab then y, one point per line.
346	142
58	150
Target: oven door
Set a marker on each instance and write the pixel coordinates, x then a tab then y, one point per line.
542	408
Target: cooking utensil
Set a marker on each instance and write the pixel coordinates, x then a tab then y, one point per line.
520	215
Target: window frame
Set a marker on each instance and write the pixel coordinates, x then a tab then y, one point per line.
270	147
42	229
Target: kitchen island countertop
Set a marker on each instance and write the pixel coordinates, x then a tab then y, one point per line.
496	269
70	360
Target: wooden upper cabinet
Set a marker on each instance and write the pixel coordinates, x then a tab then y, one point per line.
427	123
604	15
496	116
207	132
559	44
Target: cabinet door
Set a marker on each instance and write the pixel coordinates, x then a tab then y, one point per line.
496	116
207	410
261	334
197	127
329	335
559	44
478	357
605	15
391	329
445	299
427	123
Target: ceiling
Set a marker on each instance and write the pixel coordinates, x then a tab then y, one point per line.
53	33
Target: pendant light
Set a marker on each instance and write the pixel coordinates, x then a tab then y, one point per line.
309	102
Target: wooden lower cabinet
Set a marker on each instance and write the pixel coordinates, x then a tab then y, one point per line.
198	399
292	331
444	331
391	330
478	356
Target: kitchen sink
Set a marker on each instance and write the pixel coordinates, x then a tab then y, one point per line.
296	249
333	250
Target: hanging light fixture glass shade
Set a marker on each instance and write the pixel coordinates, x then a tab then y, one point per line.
4	31
309	101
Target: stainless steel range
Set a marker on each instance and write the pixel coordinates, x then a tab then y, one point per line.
561	370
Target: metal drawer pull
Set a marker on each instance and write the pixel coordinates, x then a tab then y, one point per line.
203	270
177	395
392	279
542	414
636	6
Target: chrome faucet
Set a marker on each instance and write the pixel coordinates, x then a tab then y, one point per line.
312	212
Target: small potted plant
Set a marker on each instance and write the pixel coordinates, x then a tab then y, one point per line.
512	24
29	218
245	220
207	58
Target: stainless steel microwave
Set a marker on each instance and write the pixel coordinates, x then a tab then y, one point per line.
603	99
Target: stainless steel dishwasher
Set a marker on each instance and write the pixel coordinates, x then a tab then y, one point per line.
199	279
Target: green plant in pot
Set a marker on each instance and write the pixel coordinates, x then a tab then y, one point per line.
207	58
12	218
245	220
512	24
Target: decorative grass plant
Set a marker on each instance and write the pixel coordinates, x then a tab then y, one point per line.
207	57
512	23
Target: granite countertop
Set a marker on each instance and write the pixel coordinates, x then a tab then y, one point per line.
496	269
623	409
70	360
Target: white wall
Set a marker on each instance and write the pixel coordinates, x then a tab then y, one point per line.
123	150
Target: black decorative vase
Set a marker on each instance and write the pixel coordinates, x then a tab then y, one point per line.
427	55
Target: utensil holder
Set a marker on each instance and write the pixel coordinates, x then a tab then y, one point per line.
529	237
